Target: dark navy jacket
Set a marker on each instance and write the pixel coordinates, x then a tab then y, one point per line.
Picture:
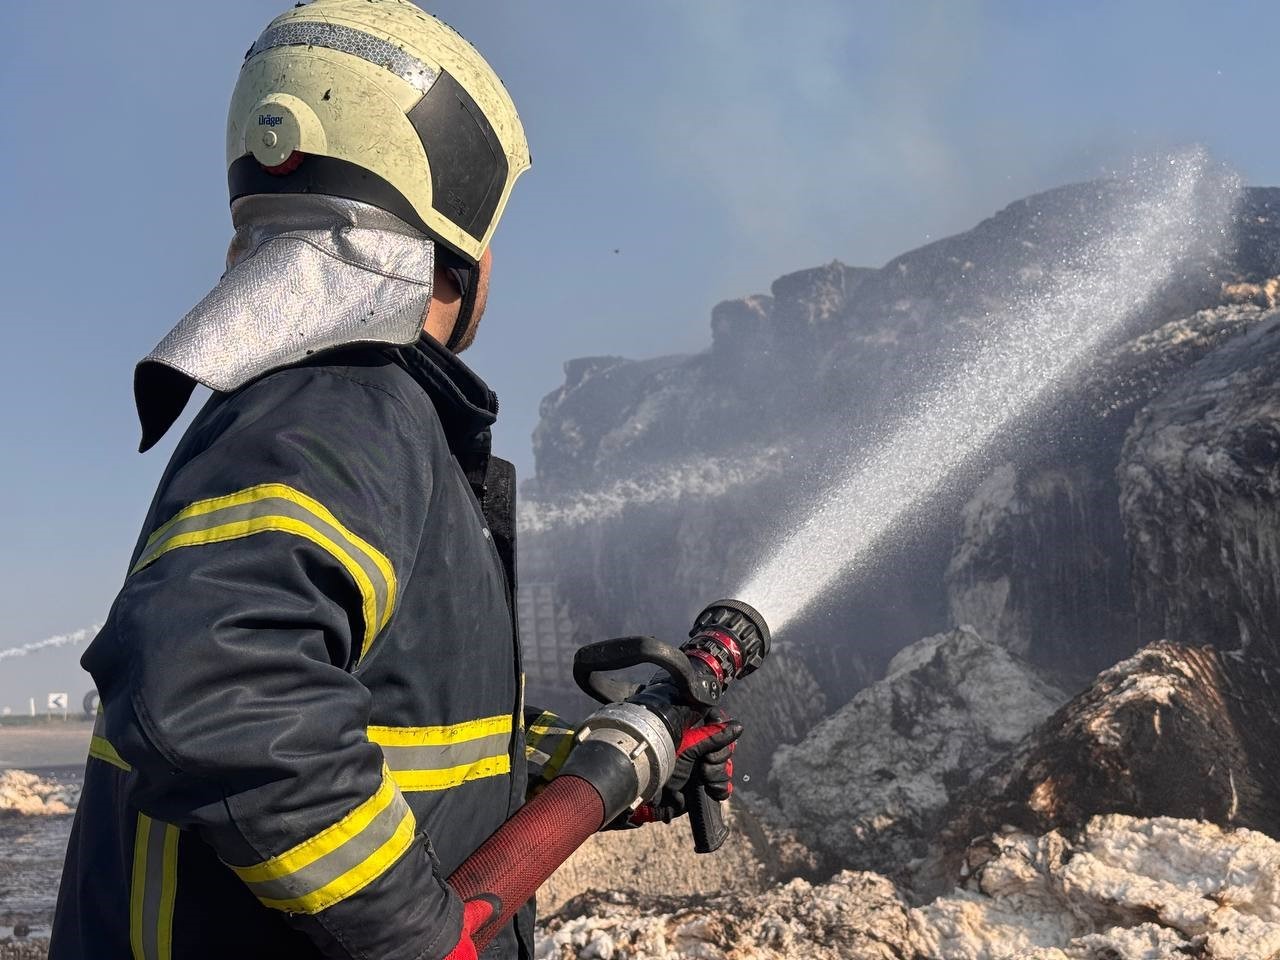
310	679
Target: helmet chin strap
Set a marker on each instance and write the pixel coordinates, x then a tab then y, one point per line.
464	277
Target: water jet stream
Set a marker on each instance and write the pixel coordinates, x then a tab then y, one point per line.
1166	211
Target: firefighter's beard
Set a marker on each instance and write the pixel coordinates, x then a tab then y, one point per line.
472	308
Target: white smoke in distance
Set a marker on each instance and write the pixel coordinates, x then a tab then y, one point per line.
60	640
703	478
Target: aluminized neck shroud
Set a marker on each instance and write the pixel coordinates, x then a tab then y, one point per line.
308	273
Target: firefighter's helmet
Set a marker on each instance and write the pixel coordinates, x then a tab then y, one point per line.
377	101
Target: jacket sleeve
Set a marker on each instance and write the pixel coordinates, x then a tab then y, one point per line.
548	741
226	667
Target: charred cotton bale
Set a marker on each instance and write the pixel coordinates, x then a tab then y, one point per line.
1173	731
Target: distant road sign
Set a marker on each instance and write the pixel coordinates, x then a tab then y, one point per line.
58	701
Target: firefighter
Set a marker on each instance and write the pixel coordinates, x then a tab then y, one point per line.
311	686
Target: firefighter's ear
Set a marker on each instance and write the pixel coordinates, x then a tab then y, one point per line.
444	287
235	250
445	304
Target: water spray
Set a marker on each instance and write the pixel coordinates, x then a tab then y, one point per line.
1043	338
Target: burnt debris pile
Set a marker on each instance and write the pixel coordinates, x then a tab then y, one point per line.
1079	761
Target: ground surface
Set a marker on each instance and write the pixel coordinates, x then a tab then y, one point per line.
24	949
57	743
31	848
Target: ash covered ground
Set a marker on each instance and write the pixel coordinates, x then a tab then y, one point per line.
41	768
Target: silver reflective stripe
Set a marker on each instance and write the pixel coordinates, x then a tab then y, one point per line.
154	888
277	507
536	756
334	36
363	849
446	756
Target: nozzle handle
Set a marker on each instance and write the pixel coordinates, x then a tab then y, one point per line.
592	662
706	819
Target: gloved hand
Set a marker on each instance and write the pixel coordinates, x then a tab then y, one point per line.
705	758
475	914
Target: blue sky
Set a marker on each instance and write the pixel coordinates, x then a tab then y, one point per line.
714	144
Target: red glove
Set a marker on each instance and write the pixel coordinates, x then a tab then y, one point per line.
705	757
475	914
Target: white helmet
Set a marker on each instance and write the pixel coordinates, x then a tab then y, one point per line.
377	101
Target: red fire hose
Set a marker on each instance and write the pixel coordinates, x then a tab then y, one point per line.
512	864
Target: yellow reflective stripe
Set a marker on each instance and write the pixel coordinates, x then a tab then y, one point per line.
326	841
545	725
541	730
439	736
103	750
538	729
234	524
548	745
445	756
154	888
553	765
417	780
340	860
244	528
100	747
534	755
138	885
168	893
355	879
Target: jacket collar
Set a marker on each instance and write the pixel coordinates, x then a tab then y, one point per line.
466	406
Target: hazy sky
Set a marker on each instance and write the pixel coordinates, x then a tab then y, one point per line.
712	145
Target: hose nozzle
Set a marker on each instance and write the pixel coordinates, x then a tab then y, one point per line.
731	638
628	748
